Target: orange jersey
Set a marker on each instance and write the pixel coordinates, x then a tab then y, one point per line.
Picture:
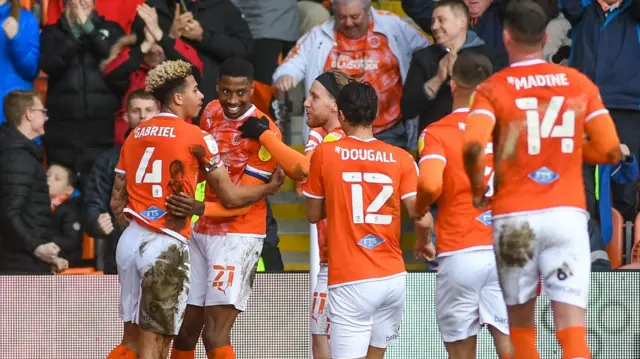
540	111
459	225
370	59
316	137
362	184
163	157
242	157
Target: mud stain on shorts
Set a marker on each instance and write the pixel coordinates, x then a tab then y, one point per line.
162	285
515	245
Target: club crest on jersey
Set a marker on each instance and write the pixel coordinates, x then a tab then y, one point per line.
543	175
486	218
236	140
370	241
153	213
263	154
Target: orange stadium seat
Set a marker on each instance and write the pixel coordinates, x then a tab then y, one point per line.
88	247
615	248
636	235
81	271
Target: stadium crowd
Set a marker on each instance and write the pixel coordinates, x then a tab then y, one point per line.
77	78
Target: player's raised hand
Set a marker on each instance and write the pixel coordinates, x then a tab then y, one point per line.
183	205
254	128
150	18
277	179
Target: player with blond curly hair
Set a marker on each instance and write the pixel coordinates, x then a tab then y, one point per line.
161	156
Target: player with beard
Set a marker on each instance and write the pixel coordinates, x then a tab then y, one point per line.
322	118
537	115
162	155
226	244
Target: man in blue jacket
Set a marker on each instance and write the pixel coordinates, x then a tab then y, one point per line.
19	49
606	47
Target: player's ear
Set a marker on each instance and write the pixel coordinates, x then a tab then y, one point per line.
177	98
253	88
545	38
453	86
506	36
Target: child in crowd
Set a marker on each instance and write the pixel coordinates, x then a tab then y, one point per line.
62	183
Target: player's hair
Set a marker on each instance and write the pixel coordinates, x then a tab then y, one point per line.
456	6
366	4
470	69
167	79
342	79
526	22
236	67
71	175
139	95
358	102
16	103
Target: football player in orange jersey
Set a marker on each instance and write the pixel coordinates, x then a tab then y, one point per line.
322	114
161	157
358	184
536	115
468	293
226	244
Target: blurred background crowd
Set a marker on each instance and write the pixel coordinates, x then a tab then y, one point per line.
88	59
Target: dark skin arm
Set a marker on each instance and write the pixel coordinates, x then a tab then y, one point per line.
119	200
233	196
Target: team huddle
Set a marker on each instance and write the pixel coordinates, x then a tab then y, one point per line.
504	170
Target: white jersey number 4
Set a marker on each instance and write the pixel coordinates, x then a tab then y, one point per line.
357	197
154	177
547	128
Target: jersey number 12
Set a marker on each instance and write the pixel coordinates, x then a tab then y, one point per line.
357	196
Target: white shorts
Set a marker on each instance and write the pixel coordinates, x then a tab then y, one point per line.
552	243
468	295
153	269
365	314
223	269
320	322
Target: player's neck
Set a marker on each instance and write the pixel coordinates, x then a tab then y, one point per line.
525	56
461	101
176	111
363	133
331	124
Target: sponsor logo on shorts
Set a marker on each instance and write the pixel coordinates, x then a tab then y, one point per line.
153	213
500	320
543	175
395	335
485	218
370	241
560	288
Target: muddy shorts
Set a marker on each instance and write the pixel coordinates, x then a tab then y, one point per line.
554	244
153	269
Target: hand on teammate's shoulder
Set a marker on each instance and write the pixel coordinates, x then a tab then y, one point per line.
254	127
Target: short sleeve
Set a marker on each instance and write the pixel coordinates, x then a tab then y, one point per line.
480	104
206	151
408	177
314	187
430	147
595	107
262	164
120	167
316	136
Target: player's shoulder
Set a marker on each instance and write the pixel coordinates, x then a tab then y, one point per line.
272	125
211	114
334	135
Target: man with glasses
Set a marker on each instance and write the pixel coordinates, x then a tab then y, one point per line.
26	224
366	44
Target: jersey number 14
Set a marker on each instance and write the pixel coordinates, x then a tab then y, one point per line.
154	177
547	128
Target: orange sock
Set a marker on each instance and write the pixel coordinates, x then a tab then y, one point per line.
573	341
180	354
225	352
122	352
524	343
508	356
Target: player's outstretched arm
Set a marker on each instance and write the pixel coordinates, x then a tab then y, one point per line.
236	196
603	145
478	132
119	200
294	163
429	182
424	247
315	210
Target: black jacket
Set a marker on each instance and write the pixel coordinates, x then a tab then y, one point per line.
67	220
226	34
423	67
96	201
26	219
81	106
